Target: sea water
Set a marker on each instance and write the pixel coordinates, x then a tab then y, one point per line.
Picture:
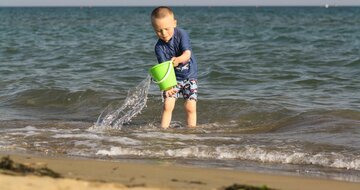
278	87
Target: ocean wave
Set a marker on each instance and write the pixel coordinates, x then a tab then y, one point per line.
286	39
91	136
353	63
250	153
54	97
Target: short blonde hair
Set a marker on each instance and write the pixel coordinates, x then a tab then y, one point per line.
161	12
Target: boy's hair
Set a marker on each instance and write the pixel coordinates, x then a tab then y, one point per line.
161	12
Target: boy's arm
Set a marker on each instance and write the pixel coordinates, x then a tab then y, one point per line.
183	58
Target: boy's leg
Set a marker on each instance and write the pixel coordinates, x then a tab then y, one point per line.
190	92
190	108
169	104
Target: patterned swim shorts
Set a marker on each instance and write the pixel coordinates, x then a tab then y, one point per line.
188	89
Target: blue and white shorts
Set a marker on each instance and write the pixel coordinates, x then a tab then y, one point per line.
188	89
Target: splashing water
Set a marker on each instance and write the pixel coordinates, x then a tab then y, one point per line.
133	104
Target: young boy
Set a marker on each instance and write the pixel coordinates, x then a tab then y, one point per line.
174	45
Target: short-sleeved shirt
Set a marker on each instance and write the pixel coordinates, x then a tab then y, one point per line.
174	48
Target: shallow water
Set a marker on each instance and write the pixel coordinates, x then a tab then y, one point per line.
278	87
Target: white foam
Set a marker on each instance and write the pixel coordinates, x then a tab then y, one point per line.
161	135
79	136
293	157
345	162
252	153
87	143
30	128
190	152
6	146
114	151
27	128
39	144
92	136
124	140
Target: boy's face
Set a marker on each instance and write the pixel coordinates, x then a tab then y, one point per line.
164	27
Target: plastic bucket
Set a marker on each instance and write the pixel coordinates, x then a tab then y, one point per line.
164	75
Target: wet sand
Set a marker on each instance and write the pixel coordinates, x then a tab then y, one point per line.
106	174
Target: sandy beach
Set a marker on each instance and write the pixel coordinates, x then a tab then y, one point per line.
98	174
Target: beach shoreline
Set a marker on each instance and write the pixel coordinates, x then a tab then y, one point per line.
107	174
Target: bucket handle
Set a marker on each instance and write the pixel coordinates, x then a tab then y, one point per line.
166	75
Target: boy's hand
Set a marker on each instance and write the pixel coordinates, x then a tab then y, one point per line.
170	93
174	62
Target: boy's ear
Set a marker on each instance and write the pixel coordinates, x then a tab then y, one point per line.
175	23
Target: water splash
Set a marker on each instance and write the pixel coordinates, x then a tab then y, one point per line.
135	101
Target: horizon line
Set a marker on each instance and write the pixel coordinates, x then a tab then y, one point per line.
89	6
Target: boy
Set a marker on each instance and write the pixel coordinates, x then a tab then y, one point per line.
174	45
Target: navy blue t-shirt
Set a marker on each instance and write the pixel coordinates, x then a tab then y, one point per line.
174	48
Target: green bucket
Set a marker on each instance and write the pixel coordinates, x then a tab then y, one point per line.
164	75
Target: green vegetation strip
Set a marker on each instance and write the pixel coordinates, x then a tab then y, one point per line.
8	166
246	187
